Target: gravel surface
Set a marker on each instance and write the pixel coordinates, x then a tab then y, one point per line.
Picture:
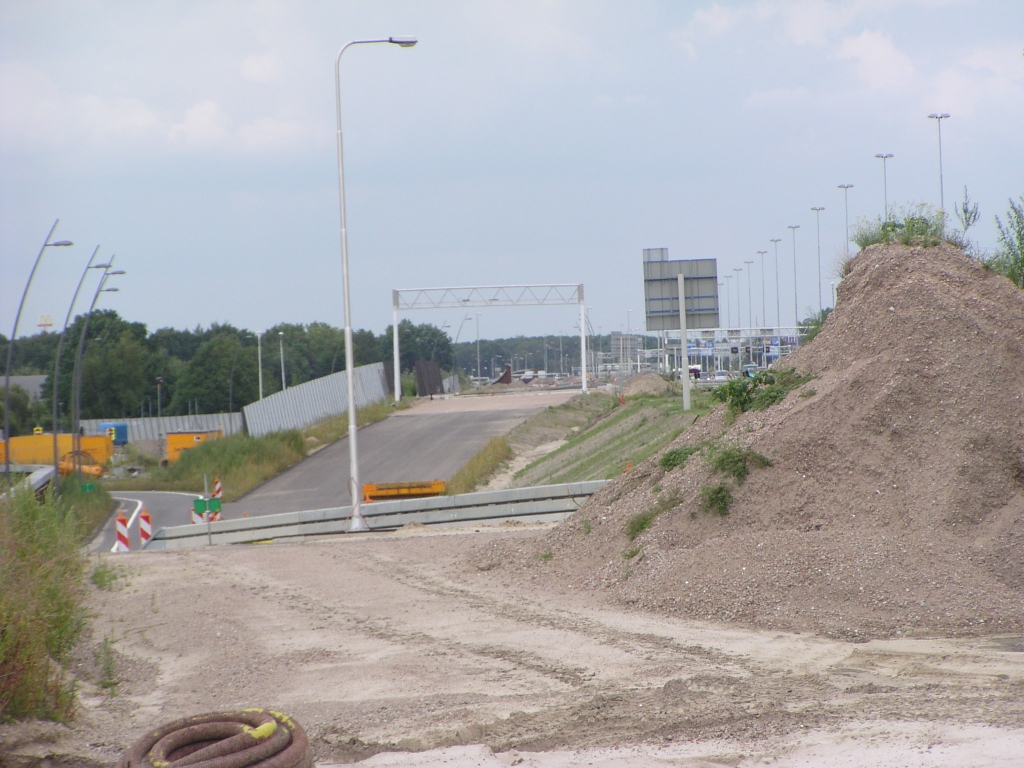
894	502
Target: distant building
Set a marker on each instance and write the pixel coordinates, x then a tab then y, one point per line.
31	384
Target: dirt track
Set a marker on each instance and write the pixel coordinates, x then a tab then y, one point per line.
392	642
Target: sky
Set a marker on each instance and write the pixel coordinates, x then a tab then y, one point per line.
518	143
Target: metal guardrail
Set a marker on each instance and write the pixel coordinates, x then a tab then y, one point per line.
40	475
546	503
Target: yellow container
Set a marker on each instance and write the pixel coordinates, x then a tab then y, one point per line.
38	449
179	442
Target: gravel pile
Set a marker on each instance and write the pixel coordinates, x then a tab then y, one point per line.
646	384
895	500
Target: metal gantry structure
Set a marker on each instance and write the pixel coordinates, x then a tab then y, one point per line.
554	295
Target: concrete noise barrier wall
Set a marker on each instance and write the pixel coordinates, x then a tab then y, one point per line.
154	428
316	400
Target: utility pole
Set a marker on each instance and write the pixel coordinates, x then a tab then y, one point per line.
885	180
846	207
942	194
778	294
817	217
796	311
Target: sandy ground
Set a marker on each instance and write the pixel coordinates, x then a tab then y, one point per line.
387	645
512	400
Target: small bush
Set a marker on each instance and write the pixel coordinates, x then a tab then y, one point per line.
107	665
736	394
640	522
735	461
677	457
629	554
1009	261
586	526
716	498
546	555
104	576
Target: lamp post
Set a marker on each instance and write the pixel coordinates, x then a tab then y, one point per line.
739	301
846	208
76	376
478	346
750	302
280	340
885	180
778	293
357	523
817	218
628	345
728	307
10	349
259	360
56	366
764	311
796	311
938	118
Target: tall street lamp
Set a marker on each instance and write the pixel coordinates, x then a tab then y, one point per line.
10	349
56	366
739	302
796	311
356	523
728	307
938	118
259	360
764	311
280	339
846	207
885	181
750	303
478	345
817	218
778	293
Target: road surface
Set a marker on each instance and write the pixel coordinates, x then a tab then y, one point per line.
431	441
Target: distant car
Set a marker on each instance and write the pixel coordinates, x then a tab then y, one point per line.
721	376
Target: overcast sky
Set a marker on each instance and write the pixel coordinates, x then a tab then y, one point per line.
519	142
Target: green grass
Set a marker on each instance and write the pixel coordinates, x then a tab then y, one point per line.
629	554
480	467
677	457
642	521
104	575
41	611
546	556
107	665
759	393
91	508
716	498
918	225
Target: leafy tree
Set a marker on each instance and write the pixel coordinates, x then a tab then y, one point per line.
113	378
21	412
222	374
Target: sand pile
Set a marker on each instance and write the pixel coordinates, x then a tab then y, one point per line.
646	384
895	499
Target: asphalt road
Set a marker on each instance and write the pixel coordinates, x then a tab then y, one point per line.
411	445
431	441
165	507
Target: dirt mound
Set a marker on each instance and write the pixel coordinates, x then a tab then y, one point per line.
646	384
895	499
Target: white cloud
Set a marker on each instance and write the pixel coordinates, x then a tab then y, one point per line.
204	124
260	69
877	61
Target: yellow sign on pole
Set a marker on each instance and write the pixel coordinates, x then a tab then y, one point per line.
37	431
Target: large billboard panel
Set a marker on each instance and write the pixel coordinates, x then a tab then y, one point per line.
661	291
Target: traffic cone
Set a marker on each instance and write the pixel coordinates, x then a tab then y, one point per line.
122	544
145	528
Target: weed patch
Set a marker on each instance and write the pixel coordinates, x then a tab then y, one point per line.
586	527
640	522
107	665
41	613
629	554
759	393
545	556
716	498
677	457
735	462
104	576
480	467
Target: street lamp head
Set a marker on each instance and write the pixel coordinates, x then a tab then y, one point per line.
110	290
793	226
117	272
934	116
101	266
404	42
817	208
885	156
846	186
62	243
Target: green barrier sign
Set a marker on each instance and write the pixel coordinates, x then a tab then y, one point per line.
88	487
214	505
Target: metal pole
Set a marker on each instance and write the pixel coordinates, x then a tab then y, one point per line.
259	362
846	208
728	307
10	351
885	181
478	347
682	336
56	368
942	193
817	218
778	293
397	368
796	311
583	341
739	301
764	311
357	523
280	340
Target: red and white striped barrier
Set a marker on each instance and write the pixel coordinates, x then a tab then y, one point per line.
122	544
197	517
218	493
145	528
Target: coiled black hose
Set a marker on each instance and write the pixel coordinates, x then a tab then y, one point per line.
260	738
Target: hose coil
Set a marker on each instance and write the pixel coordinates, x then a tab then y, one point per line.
261	738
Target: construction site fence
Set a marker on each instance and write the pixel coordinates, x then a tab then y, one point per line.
305	404
546	503
156	427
